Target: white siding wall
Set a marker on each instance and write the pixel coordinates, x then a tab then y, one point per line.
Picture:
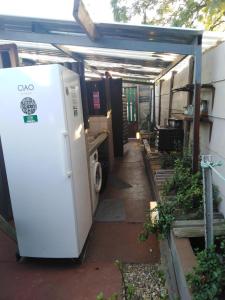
179	98
213	71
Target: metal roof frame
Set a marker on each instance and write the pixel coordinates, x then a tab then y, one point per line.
154	41
111	38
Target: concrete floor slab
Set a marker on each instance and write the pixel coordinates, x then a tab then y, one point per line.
111	241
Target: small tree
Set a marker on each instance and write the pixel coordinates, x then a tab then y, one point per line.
209	14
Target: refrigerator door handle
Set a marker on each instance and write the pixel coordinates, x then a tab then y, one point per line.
67	155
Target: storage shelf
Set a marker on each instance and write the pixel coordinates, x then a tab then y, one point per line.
204	119
190	87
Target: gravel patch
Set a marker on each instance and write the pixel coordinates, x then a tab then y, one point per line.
147	280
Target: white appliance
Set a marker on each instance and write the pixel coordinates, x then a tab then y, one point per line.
42	133
96	179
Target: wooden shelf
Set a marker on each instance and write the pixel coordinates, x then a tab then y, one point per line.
190	87
204	119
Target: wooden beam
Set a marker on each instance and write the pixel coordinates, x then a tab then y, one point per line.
83	18
198	231
171	93
195	223
160	100
154	123
74	55
187	125
123	70
77	57
138	82
190	79
170	67
196	102
12	52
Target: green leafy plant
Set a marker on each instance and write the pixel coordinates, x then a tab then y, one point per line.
183	13
207	278
167	160
160	225
129	289
181	194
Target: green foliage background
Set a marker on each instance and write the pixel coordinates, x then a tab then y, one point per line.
209	14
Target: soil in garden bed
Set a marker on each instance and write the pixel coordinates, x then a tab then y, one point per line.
197	244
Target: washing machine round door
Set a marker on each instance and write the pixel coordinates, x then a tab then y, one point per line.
97	177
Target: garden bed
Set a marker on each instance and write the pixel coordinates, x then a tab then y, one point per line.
174	226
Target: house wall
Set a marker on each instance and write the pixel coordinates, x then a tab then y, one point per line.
213	72
179	100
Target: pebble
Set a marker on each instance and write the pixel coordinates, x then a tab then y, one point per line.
148	281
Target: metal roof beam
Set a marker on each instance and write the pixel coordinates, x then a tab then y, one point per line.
126	70
83	18
170	67
156	63
77	57
105	42
131	76
138	82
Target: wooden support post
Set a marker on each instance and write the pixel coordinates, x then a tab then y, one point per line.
137	106
153	118
160	100
83	18
190	79
150	111
195	161
108	93
196	102
9	56
187	124
171	94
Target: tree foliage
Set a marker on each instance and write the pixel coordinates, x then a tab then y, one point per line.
209	14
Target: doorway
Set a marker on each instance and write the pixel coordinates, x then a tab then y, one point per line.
132	110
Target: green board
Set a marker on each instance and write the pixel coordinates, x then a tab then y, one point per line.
30	119
131	94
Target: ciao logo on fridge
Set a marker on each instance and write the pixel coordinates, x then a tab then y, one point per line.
25	87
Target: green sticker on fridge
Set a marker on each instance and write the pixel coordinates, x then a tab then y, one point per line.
30	119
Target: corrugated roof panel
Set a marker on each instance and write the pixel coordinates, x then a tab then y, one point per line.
124	63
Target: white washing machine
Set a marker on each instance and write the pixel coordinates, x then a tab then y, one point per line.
96	179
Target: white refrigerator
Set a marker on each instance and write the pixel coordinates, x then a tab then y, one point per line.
43	141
